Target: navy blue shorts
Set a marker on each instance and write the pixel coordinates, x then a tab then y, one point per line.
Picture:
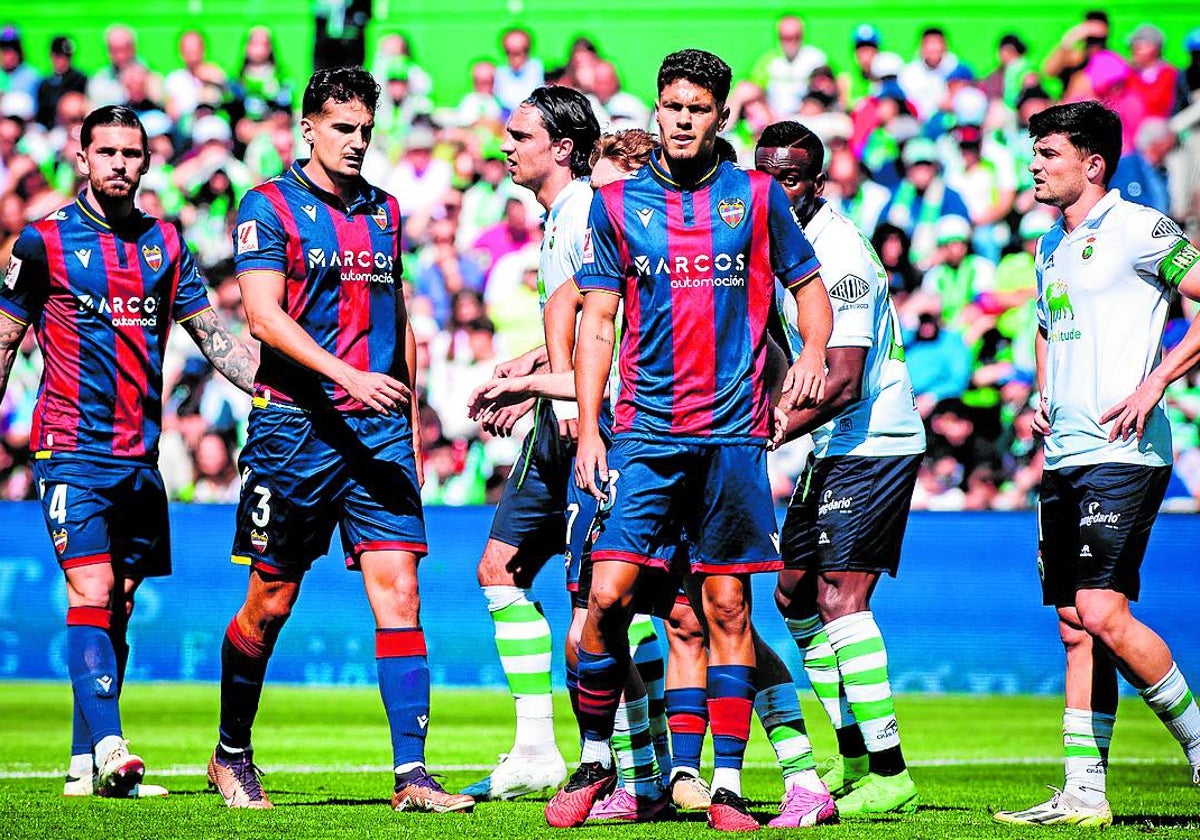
1093	526
303	474
716	494
849	513
100	511
532	513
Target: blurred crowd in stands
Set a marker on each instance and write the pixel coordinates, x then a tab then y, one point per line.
926	154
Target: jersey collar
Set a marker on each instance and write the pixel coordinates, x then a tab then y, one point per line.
365	192
819	221
134	225
1095	216
664	177
565	194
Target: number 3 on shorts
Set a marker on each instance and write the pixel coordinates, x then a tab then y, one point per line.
261	514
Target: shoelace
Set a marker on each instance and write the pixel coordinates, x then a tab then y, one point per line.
249	774
587	774
423	778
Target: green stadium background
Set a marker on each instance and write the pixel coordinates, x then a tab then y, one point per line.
447	35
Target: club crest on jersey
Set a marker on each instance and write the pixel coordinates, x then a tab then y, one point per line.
60	540
731	211
258	539
1088	249
247	237
589	252
14	270
153	255
380	217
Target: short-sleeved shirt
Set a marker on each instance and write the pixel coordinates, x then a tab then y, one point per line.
884	421
562	246
341	263
101	302
1104	291
695	268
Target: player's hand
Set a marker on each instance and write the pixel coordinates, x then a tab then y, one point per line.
500	421
494	395
779	426
568	430
1130	413
520	366
376	391
591	466
1041	419
804	384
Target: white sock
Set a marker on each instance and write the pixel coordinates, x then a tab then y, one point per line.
1086	739
807	779
535	725
729	778
233	750
408	767
1172	701
81	766
596	751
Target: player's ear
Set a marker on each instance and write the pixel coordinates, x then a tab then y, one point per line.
819	185
306	130
82	161
1095	169
565	147
724	117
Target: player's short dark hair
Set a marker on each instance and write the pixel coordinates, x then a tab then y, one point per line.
567	115
111	115
1089	126
929	31
341	84
1014	41
1098	15
698	67
791	134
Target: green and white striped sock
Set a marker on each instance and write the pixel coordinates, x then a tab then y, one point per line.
647	656
524	643
1086	738
634	748
1172	700
862	660
821	665
778	710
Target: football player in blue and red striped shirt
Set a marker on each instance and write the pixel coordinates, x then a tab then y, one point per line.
331	440
101	283
693	247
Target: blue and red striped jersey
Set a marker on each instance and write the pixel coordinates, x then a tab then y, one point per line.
342	269
101	301
696	269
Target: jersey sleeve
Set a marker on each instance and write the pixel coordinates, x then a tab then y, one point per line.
191	294
1043	316
852	293
792	255
600	268
27	280
259	240
1158	247
571	233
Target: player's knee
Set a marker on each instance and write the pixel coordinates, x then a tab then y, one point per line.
607	598
493	569
834	603
728	614
1104	620
1074	637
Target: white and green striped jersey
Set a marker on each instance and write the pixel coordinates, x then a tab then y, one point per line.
884	421
562	246
1104	290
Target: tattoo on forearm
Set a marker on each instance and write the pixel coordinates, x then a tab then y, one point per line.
603	338
228	355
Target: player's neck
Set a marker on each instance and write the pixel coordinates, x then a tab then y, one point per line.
346	189
1076	212
686	172
557	182
112	211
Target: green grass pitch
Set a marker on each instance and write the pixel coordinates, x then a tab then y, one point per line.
326	754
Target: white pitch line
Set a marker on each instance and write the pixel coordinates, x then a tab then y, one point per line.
11	771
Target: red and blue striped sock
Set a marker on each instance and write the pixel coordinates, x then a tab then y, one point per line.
403	665
687	716
730	707
243	669
601	680
92	664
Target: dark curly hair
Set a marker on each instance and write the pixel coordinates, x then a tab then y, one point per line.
698	67
567	115
791	134
341	84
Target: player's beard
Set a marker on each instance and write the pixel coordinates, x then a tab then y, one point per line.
113	190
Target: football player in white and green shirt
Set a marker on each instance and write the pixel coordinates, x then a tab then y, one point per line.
1106	276
846	520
